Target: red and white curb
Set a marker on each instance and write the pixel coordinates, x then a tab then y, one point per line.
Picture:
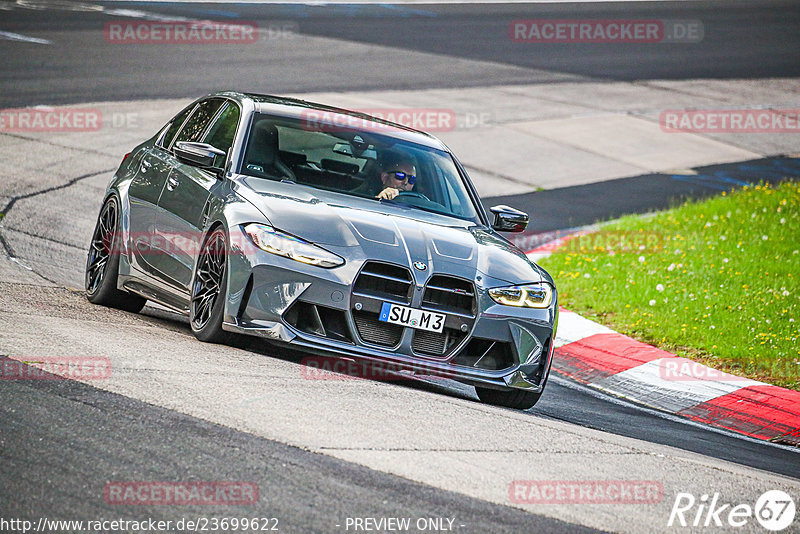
601	358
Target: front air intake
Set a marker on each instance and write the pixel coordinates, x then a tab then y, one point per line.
318	321
384	281
486	354
450	294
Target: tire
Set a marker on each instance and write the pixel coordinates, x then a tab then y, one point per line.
209	289
513	398
102	263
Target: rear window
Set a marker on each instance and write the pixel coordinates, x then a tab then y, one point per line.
196	126
223	130
174	126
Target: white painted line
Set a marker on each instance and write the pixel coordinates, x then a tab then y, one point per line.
145	15
11	36
404	2
156	17
655	384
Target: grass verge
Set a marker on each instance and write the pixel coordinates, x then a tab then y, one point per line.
717	281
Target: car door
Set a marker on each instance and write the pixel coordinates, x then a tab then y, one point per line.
155	165
180	219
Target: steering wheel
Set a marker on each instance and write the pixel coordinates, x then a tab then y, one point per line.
413	194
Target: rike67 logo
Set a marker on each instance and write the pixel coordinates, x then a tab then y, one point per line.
774	510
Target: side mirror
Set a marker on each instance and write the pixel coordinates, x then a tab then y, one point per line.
508	219
200	155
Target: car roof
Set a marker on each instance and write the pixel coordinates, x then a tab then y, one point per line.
299	109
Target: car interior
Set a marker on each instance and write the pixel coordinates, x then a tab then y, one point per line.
341	161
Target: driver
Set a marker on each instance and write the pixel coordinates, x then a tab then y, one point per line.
397	174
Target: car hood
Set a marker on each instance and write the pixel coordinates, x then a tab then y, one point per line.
355	227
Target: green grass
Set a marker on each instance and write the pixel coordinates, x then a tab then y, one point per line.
716	281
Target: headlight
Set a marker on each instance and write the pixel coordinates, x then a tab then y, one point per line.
279	243
525	296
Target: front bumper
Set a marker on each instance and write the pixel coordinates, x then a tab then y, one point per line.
320	311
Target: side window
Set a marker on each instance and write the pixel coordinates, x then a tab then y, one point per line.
197	123
222	132
174	126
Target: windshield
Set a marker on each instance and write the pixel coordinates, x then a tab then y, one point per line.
362	163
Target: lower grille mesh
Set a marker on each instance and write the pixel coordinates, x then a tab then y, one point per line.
372	330
434	343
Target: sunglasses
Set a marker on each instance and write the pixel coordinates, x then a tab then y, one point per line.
403	176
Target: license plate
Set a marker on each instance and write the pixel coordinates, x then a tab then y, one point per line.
420	319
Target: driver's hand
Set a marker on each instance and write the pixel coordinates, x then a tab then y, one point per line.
389	193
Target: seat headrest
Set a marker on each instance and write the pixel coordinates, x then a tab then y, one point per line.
263	147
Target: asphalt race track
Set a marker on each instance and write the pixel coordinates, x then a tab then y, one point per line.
341	449
741	41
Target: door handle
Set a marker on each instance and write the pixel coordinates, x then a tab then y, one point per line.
146	165
172	183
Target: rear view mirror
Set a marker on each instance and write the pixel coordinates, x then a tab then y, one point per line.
343	149
346	149
508	219
198	154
